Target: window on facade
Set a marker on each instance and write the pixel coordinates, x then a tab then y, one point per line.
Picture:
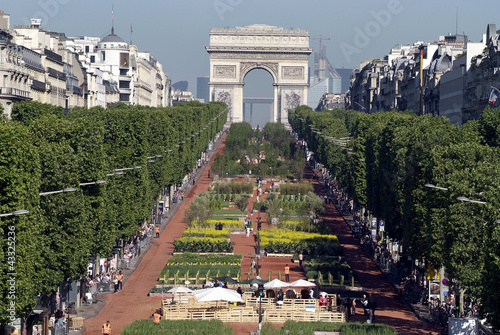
103	55
92	59
4	81
124	84
124	97
87	48
123	72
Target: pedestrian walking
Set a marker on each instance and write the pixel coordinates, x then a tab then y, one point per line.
115	282
287	273
372	305
364	301
157	231
106	328
253	267
120	280
301	259
156	318
353	307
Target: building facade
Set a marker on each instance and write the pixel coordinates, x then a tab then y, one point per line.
76	71
456	81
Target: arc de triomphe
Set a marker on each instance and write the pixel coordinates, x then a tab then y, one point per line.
283	53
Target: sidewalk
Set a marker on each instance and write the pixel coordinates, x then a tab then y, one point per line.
89	311
420	310
391	310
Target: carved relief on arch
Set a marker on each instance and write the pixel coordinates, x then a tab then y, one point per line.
246	67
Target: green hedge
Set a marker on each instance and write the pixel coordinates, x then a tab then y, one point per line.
177	327
308	328
234	187
202	245
295	189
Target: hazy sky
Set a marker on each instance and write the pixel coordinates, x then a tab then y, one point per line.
176	32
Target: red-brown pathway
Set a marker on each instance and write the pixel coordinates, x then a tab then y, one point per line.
390	309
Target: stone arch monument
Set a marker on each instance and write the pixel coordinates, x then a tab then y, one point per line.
283	53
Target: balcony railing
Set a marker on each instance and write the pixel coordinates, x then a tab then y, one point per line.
38	85
14	92
77	90
56	74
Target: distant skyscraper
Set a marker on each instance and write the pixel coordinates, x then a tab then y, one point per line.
202	88
180	85
325	79
315	92
345	74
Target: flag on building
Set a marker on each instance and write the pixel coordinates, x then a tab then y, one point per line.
494	95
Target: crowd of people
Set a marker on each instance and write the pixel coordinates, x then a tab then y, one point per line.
413	286
109	281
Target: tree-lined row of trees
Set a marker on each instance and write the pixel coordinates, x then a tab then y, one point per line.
137	150
272	145
385	165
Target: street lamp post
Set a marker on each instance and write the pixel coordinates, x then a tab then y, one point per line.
436	187
473	201
93	183
15	213
66	190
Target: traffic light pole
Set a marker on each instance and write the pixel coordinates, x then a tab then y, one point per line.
260	315
257	250
261	295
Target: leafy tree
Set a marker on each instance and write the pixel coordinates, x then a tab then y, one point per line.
198	211
241	202
489	126
58	151
27	111
19	235
311	208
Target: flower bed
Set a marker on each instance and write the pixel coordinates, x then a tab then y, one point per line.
202	244
207	233
285	241
330	273
204	240
229	225
197	268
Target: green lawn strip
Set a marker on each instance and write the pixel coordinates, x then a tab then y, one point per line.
196	265
178	327
308	328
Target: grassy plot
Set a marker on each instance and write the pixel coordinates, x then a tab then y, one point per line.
308	328
178	327
197	268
